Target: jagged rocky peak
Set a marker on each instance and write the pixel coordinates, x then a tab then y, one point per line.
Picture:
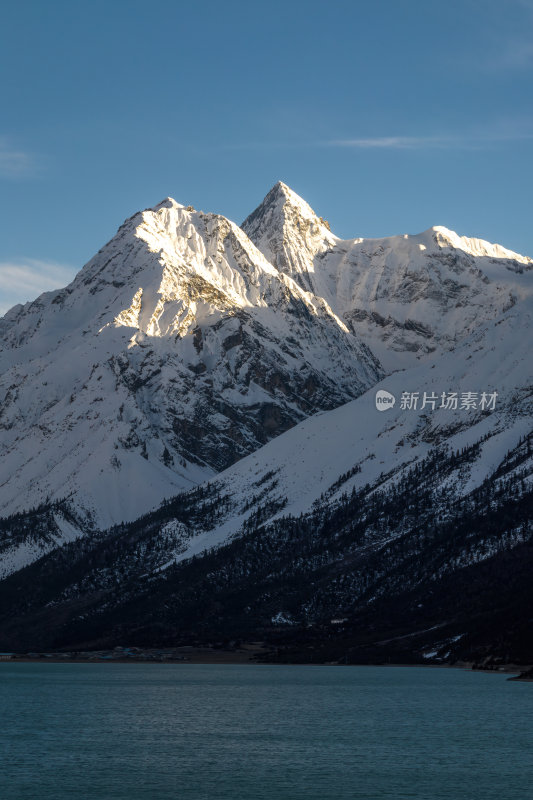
165	268
176	350
289	233
204	265
169	202
407	296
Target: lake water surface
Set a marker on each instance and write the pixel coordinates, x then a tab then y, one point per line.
148	732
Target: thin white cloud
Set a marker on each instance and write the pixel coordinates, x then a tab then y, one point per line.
466	142
14	162
24	280
394	142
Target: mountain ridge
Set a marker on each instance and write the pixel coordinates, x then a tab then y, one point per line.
216	398
406	296
176	350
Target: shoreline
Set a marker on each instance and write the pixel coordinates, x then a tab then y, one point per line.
254	656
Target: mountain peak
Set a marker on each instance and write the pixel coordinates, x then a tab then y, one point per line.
288	232
280	202
168	202
444	237
176	350
281	190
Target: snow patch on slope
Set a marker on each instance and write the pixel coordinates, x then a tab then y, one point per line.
355	445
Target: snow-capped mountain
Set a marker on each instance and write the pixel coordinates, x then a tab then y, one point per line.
234	369
406	296
175	351
487	383
359	534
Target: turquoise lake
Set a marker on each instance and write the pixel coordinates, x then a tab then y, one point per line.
148	732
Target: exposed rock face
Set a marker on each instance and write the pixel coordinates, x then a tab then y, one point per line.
175	351
187	342
185	345
406	296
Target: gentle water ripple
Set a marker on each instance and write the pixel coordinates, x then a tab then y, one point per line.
195	732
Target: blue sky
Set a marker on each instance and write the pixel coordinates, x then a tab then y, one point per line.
387	117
